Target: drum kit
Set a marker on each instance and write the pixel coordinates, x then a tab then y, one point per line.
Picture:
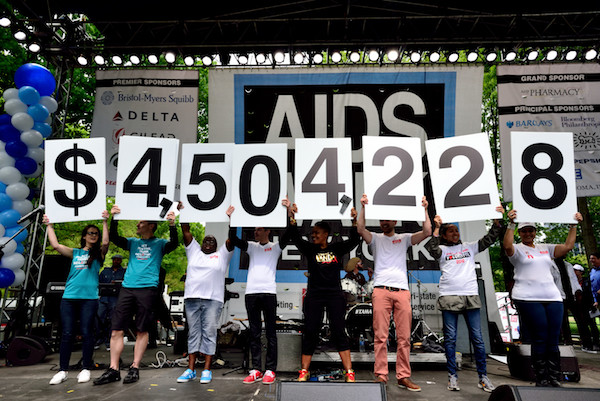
359	313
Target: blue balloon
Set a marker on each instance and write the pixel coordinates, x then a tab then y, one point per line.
8	133
20	248
26	165
38	112
31	192
5	202
29	95
37	76
2	187
43	128
9	218
16	149
7	277
5	119
9	232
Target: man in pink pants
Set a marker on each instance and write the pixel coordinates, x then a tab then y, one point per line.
390	293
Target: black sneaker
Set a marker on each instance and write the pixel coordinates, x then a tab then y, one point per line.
109	376
132	376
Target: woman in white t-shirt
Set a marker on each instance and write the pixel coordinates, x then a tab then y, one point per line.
535	295
459	292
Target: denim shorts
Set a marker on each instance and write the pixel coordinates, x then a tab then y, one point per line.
203	322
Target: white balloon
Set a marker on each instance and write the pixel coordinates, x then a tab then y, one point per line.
18	191
31	138
10	245
22	121
14	106
11	93
9	175
6	159
36	173
19	278
2	230
13	261
22	206
36	154
49	102
2	145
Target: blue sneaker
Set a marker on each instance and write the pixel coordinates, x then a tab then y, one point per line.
187	376
206	377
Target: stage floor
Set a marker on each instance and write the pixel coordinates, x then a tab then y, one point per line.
31	382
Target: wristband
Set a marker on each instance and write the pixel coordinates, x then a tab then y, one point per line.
511	226
292	221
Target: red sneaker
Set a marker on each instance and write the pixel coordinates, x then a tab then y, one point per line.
350	376
253	376
269	377
303	375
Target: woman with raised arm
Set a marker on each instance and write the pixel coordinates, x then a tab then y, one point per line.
324	290
535	295
80	299
459	292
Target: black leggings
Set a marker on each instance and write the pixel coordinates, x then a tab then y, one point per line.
314	308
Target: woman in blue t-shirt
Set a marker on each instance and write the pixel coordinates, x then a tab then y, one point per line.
80	299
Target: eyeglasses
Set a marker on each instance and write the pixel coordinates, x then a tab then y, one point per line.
96	233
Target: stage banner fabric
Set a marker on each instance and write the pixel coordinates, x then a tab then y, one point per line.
553	98
144	103
288	105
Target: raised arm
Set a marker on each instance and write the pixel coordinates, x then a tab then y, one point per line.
494	232
105	237
185	229
426	231
361	224
433	245
173	237
113	235
61	249
509	235
228	243
233	238
562	249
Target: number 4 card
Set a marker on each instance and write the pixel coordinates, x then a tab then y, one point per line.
146	177
462	178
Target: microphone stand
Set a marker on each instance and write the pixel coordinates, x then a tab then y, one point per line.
421	324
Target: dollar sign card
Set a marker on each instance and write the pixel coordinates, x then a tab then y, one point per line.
75	179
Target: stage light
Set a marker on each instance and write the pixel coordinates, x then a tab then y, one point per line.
152	59
170	57
571	55
355	57
134	59
434	57
491	57
261	58
472	57
393	55
591	54
551	55
373	55
533	55
207	60
98	59
510	56
318	58
82	60
117	60
279	57
415	57
453	57
34	47
20	35
189	61
336	57
5	22
298	58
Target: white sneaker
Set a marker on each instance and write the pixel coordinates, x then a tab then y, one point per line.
59	377
83	376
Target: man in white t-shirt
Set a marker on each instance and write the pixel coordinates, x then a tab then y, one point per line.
261	298
391	293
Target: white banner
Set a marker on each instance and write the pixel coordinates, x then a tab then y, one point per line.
462	178
543	177
74	179
144	103
205	182
558	98
259	183
393	178
146	178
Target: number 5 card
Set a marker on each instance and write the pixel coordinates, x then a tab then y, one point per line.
462	178
543	177
146	177
75	179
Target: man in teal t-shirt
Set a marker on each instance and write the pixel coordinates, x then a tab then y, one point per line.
139	292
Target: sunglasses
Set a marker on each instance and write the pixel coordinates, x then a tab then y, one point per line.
96	233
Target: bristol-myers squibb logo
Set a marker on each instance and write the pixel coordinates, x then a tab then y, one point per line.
529	123
107	98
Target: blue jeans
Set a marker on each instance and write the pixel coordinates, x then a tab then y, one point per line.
542	321
70	311
473	320
203	321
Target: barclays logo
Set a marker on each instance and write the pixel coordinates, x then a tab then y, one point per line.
107	98
510	124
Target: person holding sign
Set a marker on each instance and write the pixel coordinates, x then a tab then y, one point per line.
261	298
324	290
536	296
203	297
139	292
80	299
391	293
459	293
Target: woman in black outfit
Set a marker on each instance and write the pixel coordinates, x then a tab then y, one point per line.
324	289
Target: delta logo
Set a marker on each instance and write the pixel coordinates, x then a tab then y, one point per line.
118	117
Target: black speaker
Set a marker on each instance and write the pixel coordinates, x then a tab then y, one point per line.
519	362
311	391
26	350
523	393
